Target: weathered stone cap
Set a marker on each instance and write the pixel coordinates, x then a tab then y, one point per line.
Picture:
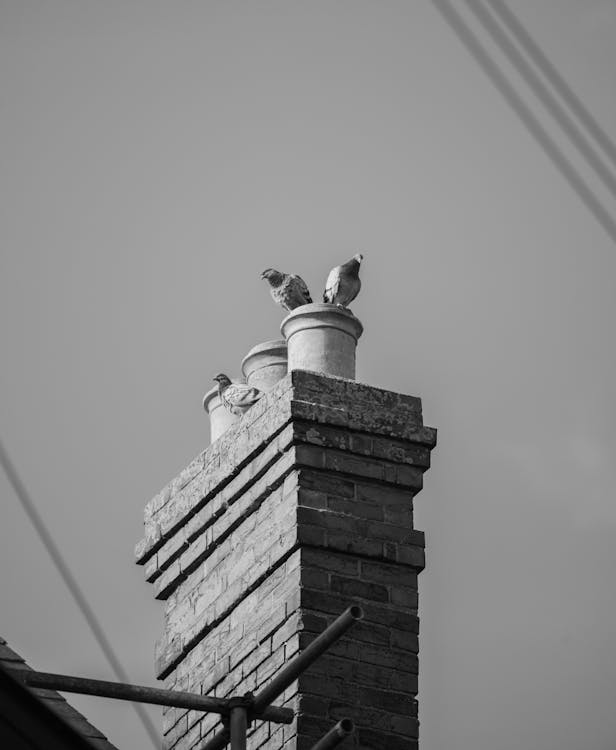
301	396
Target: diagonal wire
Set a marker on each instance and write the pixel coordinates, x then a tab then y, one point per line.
72	585
495	74
543	93
537	55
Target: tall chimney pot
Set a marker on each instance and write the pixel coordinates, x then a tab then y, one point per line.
322	338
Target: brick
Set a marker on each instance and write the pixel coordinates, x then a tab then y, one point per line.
359	443
255	658
349	464
313	517
370	739
312	623
310	456
390	615
311	704
404	641
381	572
323	436
411	555
366	674
303	507
178	730
383	495
351	544
328	483
151	570
313	535
314	684
333	562
397	514
409	476
361	589
353	508
389	700
404	597
192	737
311	498
379	655
313	578
399	451
288	629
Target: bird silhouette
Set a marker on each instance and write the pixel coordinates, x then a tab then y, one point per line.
343	283
287	290
236	397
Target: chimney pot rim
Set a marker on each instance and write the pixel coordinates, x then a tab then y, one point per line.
321	315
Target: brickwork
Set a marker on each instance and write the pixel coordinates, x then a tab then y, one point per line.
302	508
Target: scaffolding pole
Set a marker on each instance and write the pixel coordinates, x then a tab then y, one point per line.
292	670
143	694
236	712
310	654
238	723
335	736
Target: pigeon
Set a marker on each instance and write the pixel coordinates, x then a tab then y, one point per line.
236	397
288	290
343	283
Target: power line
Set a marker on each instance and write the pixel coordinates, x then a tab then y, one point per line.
535	52
494	73
72	585
543	93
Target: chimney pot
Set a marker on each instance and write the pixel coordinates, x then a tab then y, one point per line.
220	418
265	364
322	338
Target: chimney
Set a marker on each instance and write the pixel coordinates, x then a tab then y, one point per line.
300	508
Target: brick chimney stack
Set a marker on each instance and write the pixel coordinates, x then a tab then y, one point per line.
298	509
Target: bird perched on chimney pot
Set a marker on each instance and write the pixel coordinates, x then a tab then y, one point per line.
236	397
287	290
343	283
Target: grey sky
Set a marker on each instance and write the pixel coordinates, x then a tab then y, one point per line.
155	157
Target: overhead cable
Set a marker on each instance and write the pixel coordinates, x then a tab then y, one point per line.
535	52
494	73
72	585
544	94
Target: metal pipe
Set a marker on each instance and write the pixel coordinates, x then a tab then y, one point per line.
219	741
142	694
302	661
238	723
335	736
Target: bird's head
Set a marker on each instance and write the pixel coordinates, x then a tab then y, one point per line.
272	276
222	379
358	257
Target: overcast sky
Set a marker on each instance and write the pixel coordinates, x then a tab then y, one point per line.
155	157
